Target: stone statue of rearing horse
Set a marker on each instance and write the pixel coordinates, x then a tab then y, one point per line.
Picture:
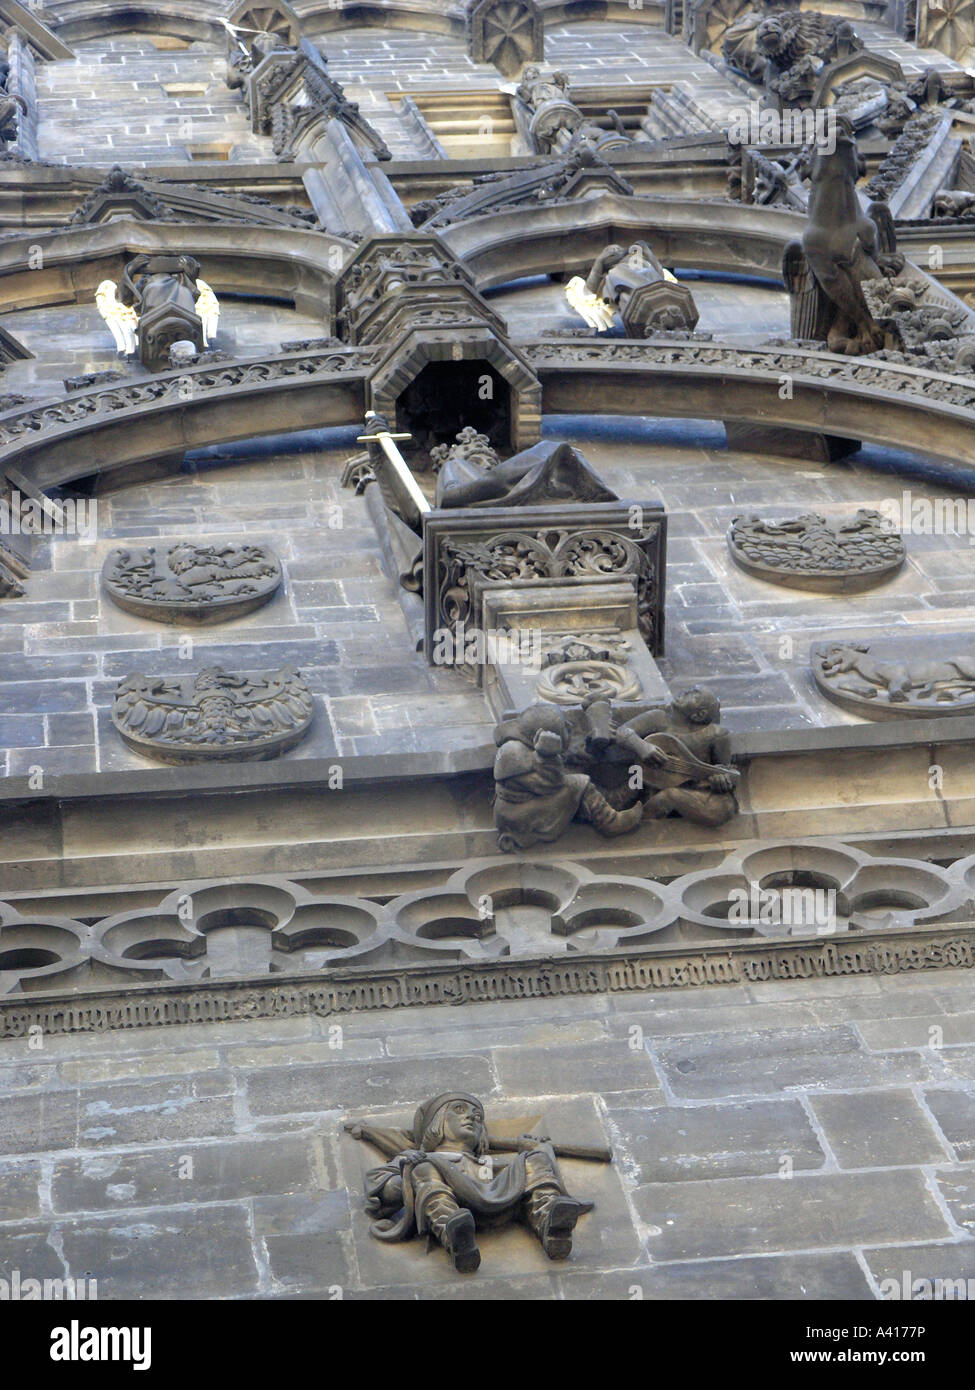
841	247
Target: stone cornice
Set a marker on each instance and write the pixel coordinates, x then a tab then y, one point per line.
354	991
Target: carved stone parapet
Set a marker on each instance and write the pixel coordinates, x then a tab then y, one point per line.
596	931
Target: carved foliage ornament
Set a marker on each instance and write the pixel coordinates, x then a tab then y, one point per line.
213	715
191	582
550	553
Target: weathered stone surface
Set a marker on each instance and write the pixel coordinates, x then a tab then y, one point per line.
954	1112
742	1064
130	1113
610	1065
777	1277
19	1197
710	1141
36	1123
158	1177
905	1266
934	1031
958	1190
189	1252
278	1090
877	1130
304	1239
745	1216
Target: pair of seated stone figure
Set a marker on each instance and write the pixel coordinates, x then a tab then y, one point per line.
671	761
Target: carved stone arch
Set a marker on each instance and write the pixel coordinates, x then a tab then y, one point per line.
861	64
178	19
269	17
476	345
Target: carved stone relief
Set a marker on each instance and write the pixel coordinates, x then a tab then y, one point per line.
190	582
886	680
507	33
443	1178
809	552
682	754
213	715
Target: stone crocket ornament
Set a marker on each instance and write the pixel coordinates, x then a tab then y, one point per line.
442	1179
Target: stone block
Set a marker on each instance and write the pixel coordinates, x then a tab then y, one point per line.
176	1176
685	1144
184	1253
765	1063
749	1216
954	1111
899	1270
38	1122
958	1191
757	1278
936	1030
172	1109
303	1236
359	1086
879	1129
19	1197
588	1068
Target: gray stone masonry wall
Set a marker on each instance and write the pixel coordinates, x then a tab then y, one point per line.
793	1140
338	618
111	103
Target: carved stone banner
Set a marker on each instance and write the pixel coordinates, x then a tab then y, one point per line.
213	715
191	583
886	680
809	552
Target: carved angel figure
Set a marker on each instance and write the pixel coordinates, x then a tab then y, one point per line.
208	308
122	321
442	1179
589	306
